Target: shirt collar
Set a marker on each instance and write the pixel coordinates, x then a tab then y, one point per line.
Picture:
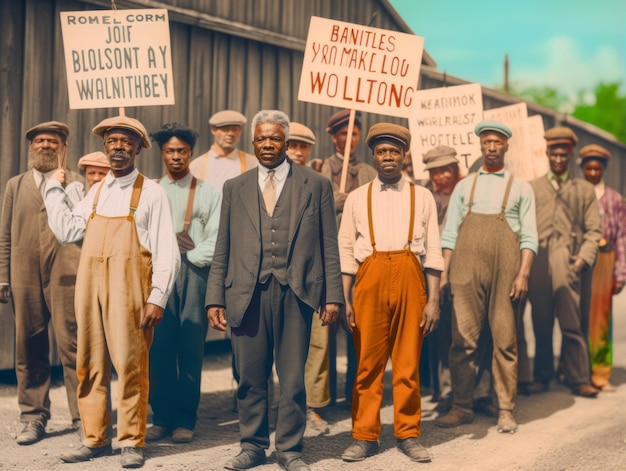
182	182
281	171
499	173
564	177
378	184
124	181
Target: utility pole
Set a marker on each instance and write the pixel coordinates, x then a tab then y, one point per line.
506	73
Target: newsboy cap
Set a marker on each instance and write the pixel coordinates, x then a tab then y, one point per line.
95	159
560	135
495	126
341	119
299	132
227	118
55	127
439	156
123	122
388	131
594	151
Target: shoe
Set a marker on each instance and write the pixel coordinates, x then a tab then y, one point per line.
246	459
132	457
315	423
585	390
444	405
360	450
506	422
455	417
156	433
182	435
411	448
485	406
85	453
292	462
523	389
31	433
608	387
538	387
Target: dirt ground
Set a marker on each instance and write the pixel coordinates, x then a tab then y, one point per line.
558	431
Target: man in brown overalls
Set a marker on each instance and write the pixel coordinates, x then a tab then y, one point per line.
389	249
128	265
489	243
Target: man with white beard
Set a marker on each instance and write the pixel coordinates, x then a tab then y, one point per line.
39	274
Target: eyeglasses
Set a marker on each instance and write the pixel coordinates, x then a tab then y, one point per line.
183	152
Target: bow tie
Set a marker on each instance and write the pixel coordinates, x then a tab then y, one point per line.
387	186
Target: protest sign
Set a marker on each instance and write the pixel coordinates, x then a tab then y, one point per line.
446	116
537	145
117	58
357	67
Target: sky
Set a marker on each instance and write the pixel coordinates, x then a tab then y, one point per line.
570	45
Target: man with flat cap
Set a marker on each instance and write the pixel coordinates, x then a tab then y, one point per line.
128	265
391	256
609	273
489	242
568	221
359	173
39	274
223	160
94	167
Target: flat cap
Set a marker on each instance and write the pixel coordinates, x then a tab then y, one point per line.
299	132
560	135
56	127
594	151
227	118
495	126
341	119
390	132
95	159
439	156
123	122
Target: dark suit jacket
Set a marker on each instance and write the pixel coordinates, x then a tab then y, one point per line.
313	270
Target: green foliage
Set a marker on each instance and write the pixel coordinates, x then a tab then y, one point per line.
608	112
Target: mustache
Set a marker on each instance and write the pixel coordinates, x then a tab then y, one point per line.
119	154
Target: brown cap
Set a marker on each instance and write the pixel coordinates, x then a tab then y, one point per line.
594	151
56	127
341	119
560	135
227	118
439	156
95	159
123	122
391	132
299	132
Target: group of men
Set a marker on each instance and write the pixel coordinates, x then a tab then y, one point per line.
133	271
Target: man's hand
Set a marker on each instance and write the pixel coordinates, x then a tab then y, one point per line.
340	200
329	313
152	315
579	265
430	317
59	175
519	289
5	294
217	318
347	318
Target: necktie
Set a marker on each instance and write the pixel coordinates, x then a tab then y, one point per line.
269	192
387	186
42	186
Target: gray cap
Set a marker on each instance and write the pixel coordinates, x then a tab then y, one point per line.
227	118
439	156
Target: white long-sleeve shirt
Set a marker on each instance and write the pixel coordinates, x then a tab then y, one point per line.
391	215
153	219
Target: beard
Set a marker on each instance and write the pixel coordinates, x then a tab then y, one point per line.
43	160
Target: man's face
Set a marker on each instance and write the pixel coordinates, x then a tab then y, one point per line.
269	144
298	151
121	147
226	137
176	155
558	158
593	171
493	147
388	159
44	151
444	178
94	174
341	136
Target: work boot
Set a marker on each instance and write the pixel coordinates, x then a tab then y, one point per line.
31	433
585	390
360	450
182	435
506	422
315	423
455	417
538	387
132	457
292	462
246	459
156	433
411	448
85	453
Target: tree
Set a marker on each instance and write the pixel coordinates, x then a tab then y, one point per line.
608	112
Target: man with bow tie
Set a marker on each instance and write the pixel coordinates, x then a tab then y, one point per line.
489	243
389	250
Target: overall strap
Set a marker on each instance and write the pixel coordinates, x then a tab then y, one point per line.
95	199
369	215
471	200
134	199
505	200
192	192
242	161
412	215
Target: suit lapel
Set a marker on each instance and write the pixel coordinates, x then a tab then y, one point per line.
299	187
249	195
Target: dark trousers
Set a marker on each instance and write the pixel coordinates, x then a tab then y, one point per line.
177	351
276	327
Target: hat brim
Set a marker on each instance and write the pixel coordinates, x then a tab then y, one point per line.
441	162
102	130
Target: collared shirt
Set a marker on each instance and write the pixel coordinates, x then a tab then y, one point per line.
558	180
599	188
279	177
219	168
153	219
520	209
391	218
205	215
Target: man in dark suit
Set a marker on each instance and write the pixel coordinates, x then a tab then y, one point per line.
276	261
